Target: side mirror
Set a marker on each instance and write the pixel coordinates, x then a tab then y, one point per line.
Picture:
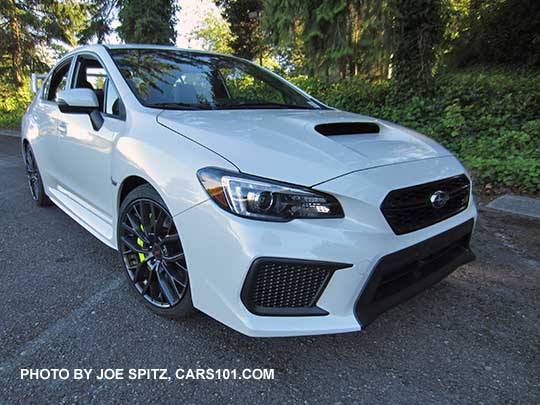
80	101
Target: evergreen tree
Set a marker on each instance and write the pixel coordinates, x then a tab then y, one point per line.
496	31
148	21
244	18
98	24
337	36
27	26
418	28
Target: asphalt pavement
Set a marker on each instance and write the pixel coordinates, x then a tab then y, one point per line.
474	337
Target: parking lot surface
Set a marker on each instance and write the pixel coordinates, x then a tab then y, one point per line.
475	337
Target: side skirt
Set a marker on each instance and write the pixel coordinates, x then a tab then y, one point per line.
98	226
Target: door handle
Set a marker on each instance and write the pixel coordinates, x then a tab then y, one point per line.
62	128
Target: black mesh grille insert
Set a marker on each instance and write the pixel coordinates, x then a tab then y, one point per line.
284	287
409	209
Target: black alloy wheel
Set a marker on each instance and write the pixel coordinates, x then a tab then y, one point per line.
152	252
34	178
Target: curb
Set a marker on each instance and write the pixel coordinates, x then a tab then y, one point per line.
515	204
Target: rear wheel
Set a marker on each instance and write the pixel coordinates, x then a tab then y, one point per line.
152	253
35	182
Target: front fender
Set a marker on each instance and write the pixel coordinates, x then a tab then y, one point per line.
166	160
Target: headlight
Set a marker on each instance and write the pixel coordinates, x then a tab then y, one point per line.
259	198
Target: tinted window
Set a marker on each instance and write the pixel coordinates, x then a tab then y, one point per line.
58	80
45	87
113	104
96	77
90	74
179	79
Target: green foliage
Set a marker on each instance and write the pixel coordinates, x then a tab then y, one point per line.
243	17
338	38
31	32
26	27
488	118
100	14
495	32
417	30
246	88
215	34
147	21
13	103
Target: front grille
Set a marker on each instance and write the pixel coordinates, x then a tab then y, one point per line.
287	287
409	209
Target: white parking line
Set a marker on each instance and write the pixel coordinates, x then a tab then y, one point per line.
9	193
10	132
10	157
57	328
5	164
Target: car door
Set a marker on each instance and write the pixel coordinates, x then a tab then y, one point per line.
85	153
46	115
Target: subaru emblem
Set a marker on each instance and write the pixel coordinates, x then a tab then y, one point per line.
439	199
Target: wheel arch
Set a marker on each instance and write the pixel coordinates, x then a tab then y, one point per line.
24	144
130	183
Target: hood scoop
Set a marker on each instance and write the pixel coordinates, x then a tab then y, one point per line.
347	128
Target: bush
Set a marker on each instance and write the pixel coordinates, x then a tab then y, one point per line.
488	118
13	103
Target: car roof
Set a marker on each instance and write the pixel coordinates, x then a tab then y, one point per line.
145	46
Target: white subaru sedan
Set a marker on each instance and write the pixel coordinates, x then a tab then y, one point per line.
228	190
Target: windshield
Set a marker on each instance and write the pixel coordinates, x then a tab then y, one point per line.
175	79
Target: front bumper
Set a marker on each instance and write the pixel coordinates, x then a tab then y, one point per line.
405	273
221	248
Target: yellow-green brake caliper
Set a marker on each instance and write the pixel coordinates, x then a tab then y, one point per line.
141	244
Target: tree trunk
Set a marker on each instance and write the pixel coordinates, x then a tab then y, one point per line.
16	50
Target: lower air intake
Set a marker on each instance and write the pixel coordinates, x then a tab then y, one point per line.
287	287
405	273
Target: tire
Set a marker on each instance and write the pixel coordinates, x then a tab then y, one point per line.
35	182
152	254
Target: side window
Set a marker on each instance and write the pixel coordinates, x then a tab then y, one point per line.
96	77
58	80
45	87
113	104
90	74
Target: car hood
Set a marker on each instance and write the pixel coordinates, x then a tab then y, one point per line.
284	144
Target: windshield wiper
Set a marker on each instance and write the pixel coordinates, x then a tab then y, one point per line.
265	105
179	106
